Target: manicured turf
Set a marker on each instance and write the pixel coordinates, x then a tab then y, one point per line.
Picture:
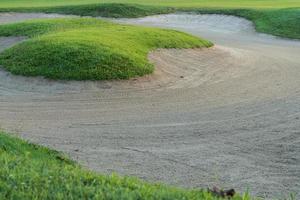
29	171
174	3
279	22
87	49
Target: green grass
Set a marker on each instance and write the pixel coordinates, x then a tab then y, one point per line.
283	22
103	10
87	49
173	3
280	18
28	171
105	51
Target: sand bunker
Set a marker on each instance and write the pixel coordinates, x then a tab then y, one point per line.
226	116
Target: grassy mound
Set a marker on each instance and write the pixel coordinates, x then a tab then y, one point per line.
87	49
29	171
114	10
111	10
280	17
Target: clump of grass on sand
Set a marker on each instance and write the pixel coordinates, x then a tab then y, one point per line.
87	49
28	171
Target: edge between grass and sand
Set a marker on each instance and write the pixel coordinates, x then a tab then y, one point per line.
87	49
282	22
30	171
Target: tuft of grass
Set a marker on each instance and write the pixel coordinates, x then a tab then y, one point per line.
87	49
29	171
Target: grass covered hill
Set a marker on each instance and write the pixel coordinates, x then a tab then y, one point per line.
30	172
87	49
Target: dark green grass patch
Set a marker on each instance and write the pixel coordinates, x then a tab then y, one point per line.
282	22
111	10
174	3
115	10
279	21
87	49
29	171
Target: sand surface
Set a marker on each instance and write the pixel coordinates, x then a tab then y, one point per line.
226	116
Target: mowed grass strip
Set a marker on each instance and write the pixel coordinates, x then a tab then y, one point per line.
87	49
172	3
116	10
28	171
